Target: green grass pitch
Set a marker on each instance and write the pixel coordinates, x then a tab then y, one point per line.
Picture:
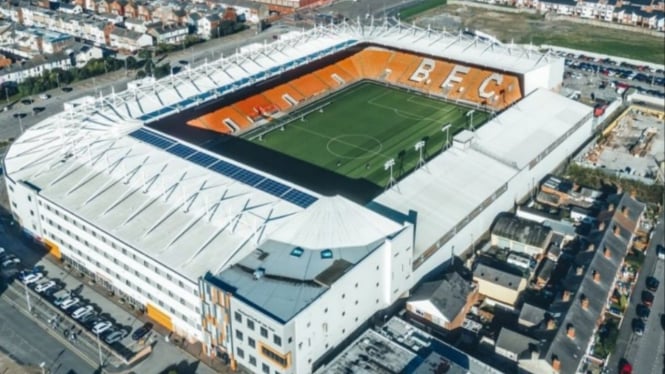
357	130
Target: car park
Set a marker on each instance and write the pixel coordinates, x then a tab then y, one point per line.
647	298
83	311
88	318
44	286
32	278
70	302
652	284
642	312
142	331
115	336
100	327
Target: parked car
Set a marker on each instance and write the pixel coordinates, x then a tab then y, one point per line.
9	261
70	302
642	312
44	96
625	367
100	327
647	298
115	336
652	284
59	299
142	331
32	278
2	251
660	251
88	318
83	311
638	327
45	286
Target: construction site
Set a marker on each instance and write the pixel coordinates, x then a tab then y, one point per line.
631	147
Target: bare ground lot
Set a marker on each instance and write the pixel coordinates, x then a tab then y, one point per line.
533	28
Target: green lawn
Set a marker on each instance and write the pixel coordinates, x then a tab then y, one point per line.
414	10
357	130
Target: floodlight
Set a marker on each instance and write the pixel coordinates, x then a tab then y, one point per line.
419	146
389	164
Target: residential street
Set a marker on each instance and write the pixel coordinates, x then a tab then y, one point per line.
645	352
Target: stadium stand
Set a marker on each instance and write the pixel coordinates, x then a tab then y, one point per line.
348	66
309	85
401	64
256	106
334	76
283	96
374	61
226	120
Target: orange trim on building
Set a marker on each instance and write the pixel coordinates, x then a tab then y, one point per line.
53	249
286	357
158	316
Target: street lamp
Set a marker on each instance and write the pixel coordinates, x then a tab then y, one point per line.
446	129
389	166
99	349
470	115
419	148
43	367
25	287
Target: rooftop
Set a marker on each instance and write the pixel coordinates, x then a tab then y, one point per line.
497	276
520	230
448	295
514	342
532	314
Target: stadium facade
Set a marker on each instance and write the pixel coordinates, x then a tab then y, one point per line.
257	267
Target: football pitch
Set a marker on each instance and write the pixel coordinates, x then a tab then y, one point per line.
356	131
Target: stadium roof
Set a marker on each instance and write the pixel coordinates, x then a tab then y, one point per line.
458	181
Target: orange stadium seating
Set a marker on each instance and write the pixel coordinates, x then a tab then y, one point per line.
309	85
349	67
401	64
333	76
499	91
256	106
279	95
374	62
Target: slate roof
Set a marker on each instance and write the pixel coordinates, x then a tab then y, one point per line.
516	229
448	296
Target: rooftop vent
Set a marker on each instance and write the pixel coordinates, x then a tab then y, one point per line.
297	252
326	254
259	273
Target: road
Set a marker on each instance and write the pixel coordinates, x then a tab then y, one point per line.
28	343
645	352
11	127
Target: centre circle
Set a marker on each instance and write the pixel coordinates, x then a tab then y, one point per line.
369	144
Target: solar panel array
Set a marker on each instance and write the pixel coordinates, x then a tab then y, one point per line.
225	168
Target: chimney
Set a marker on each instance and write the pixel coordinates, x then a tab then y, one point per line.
565	296
579	270
576	187
570	331
591	247
611	208
624	211
596	276
556	364
551	324
616	230
633	193
607	252
584	301
601	226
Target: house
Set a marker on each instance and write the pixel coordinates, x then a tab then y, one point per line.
561	7
83	53
531	315
513	345
520	235
70	8
136	24
129	41
34	67
207	26
245	10
168	34
580	308
498	285
117	7
544	272
444	303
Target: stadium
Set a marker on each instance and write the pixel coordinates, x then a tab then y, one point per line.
269	203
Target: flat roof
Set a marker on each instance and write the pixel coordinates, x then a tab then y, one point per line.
461	179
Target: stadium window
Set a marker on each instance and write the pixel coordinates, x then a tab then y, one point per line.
326	254
240	353
264	332
238	317
14	205
250	324
239	335
32	213
29	198
251	342
277	339
297	252
273	356
252	360
265	368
